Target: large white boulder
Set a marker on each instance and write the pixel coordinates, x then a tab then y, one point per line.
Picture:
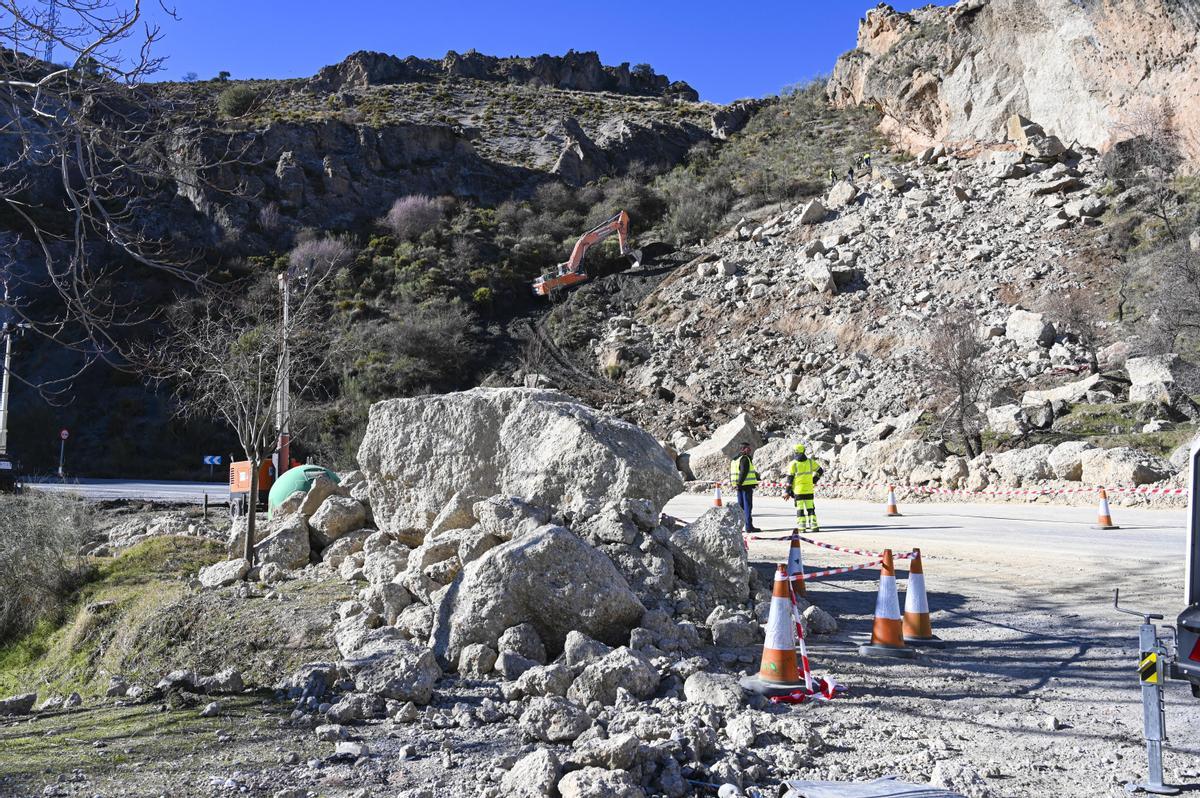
1018	467
1029	329
710	460
1152	379
894	457
1007	420
224	573
1071	392
287	546
549	578
1122	466
709	554
538	445
1066	460
395	669
337	516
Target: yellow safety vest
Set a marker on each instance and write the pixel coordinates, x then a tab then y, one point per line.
802	472
735	470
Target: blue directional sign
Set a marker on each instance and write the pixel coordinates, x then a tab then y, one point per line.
212	459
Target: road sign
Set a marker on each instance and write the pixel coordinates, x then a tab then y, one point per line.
64	434
212	459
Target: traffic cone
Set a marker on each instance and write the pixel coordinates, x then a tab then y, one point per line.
779	672
917	628
887	636
717	496
795	564
1104	519
892	509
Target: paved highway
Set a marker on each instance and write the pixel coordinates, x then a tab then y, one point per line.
148	490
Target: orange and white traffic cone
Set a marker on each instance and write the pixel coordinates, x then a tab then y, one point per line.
892	509
717	496
795	564
779	672
916	627
1104	517
887	636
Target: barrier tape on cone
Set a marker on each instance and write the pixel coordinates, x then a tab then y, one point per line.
836	571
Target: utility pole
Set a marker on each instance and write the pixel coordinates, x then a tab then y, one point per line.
8	330
284	378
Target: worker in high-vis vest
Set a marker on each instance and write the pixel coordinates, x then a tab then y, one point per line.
744	477
803	473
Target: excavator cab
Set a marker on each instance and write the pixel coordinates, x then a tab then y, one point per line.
571	272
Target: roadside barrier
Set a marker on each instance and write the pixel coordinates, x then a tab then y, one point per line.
1104	515
887	637
917	627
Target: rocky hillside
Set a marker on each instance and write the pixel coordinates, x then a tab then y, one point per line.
819	322
953	74
335	150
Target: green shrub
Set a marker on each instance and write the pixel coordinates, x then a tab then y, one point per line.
236	100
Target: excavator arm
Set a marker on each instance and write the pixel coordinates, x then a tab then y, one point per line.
571	271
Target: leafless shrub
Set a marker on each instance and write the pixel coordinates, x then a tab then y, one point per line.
955	371
269	217
1153	143
412	215
40	540
1077	311
320	255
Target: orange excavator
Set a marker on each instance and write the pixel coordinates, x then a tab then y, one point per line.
571	272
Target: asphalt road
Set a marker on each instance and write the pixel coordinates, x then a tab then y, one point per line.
148	490
1022	594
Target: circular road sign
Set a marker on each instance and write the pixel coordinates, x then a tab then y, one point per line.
64	435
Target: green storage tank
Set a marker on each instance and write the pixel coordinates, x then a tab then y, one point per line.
294	479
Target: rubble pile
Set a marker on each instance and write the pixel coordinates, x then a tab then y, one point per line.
516	537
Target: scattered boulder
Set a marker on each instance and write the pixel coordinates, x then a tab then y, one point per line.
225	573
1122	466
523	639
1066	460
579	649
1007	420
395	669
710	460
552	719
1028	329
534	775
287	546
716	689
337	516
622	668
319	490
598	783
1071	392
814	212
1152	379
476	660
709	554
842	194
18	704
1018	467
548	578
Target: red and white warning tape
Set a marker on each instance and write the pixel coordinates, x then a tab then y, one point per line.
907	555
926	489
836	571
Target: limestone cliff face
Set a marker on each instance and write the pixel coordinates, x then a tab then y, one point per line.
1081	68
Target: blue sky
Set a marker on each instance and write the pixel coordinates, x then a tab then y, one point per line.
725	50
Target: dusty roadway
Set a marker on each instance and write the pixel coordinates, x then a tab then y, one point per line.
1023	596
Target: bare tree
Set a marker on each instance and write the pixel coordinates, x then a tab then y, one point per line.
1076	311
1153	144
231	355
957	374
90	151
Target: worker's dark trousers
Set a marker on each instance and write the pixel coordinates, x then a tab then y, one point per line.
746	502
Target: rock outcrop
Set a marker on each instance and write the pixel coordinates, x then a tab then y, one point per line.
953	75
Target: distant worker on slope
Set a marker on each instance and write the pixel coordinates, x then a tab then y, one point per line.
744	477
832	176
804	472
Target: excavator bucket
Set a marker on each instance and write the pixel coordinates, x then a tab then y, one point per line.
635	258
